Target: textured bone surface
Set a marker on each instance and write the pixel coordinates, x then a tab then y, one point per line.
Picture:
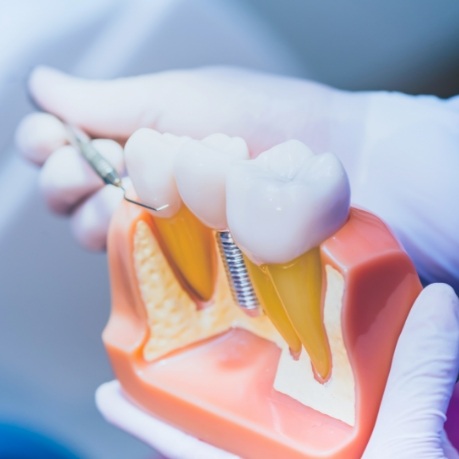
173	318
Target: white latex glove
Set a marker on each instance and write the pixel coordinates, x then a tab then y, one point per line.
424	369
401	152
170	442
68	183
412	415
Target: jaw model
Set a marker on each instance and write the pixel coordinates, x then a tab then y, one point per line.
304	379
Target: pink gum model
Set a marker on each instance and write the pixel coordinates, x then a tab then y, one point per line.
221	389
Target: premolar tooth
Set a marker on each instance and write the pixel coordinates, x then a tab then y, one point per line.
186	242
280	207
150	158
200	172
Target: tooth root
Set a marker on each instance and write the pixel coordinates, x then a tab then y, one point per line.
190	249
272	306
299	286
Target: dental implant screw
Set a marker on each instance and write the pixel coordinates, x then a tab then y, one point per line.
240	285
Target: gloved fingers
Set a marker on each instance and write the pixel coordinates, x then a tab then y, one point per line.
91	219
179	102
40	134
262	109
174	444
105	108
422	377
66	178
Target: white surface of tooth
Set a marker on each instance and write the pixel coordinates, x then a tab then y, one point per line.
150	158
285	202
235	147
200	172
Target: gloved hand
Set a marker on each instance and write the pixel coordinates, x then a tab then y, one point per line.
170	442
424	369
400	151
411	418
69	185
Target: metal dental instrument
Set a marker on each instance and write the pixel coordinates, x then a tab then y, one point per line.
236	272
100	165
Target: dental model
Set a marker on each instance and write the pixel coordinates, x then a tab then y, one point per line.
305	378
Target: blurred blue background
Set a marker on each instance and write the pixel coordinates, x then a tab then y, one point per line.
54	297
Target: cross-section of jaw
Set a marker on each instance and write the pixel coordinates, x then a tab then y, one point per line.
280	207
187	243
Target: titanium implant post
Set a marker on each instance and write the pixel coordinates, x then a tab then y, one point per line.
238	277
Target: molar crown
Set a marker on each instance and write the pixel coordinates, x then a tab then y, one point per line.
286	201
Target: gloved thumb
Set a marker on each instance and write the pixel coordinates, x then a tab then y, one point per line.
103	108
411	420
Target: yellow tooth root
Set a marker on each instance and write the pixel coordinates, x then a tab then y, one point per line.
299	286
189	247
272	306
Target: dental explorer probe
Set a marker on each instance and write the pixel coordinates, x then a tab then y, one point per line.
102	166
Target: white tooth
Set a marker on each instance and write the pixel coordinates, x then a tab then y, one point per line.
285	202
235	147
200	173
150	160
